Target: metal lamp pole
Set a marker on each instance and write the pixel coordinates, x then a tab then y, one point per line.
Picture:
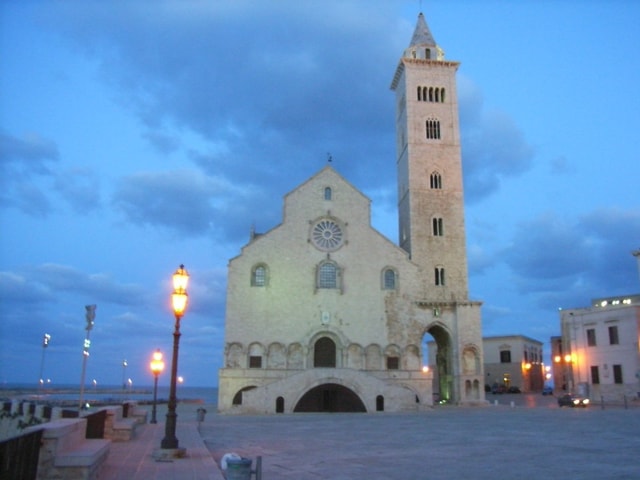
90	317
179	299
45	344
157	366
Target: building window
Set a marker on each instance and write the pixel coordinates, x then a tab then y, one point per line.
433	129
259	276
613	336
389	279
438	230
436	181
327	193
617	374
327	275
591	337
439	276
255	361
595	375
393	363
505	356
431	94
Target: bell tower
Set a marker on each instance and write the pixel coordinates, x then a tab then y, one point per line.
430	191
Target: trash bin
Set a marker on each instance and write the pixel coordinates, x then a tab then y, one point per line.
239	469
200	414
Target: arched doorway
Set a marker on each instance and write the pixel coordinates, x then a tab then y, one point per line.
443	368
324	353
237	398
330	397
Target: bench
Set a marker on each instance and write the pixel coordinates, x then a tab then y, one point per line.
66	453
117	428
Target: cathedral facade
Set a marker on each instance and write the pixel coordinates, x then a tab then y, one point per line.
326	314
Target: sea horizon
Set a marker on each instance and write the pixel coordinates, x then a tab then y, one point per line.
104	393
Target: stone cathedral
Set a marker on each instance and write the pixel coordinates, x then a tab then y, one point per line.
325	314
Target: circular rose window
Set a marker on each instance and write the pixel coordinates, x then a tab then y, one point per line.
327	235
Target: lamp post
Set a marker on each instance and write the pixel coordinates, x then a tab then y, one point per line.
124	375
157	366
90	318
179	300
45	344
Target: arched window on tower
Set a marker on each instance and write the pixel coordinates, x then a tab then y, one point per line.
438	231
435	181
432	128
439	276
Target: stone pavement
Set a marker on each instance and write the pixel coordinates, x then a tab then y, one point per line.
134	460
530	440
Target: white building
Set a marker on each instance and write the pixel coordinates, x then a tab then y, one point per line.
326	314
600	355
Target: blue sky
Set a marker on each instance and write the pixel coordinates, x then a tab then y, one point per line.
136	136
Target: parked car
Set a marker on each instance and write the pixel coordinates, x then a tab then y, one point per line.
498	389
547	391
571	400
514	390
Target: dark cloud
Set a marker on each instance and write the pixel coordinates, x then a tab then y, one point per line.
566	263
186	201
25	163
270	91
80	189
94	287
493	146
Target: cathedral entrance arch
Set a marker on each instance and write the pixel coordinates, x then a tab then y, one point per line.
443	369
330	397
324	353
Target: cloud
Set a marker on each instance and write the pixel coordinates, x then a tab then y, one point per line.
80	189
185	201
93	287
566	263
493	146
24	163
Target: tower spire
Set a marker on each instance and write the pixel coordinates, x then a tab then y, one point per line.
423	46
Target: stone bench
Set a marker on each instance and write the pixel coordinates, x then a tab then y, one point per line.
117	428
66	453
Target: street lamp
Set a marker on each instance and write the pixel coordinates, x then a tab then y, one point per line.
45	344
157	366
90	317
179	300
124	376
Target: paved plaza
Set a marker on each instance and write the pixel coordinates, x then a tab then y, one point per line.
534	439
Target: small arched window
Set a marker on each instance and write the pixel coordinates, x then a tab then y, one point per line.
327	193
432	127
389	279
435	181
327	275
259	276
439	276
438	230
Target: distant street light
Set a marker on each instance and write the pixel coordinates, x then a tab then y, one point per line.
45	343
124	376
157	366
179	300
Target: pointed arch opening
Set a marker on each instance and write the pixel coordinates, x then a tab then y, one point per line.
440	361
